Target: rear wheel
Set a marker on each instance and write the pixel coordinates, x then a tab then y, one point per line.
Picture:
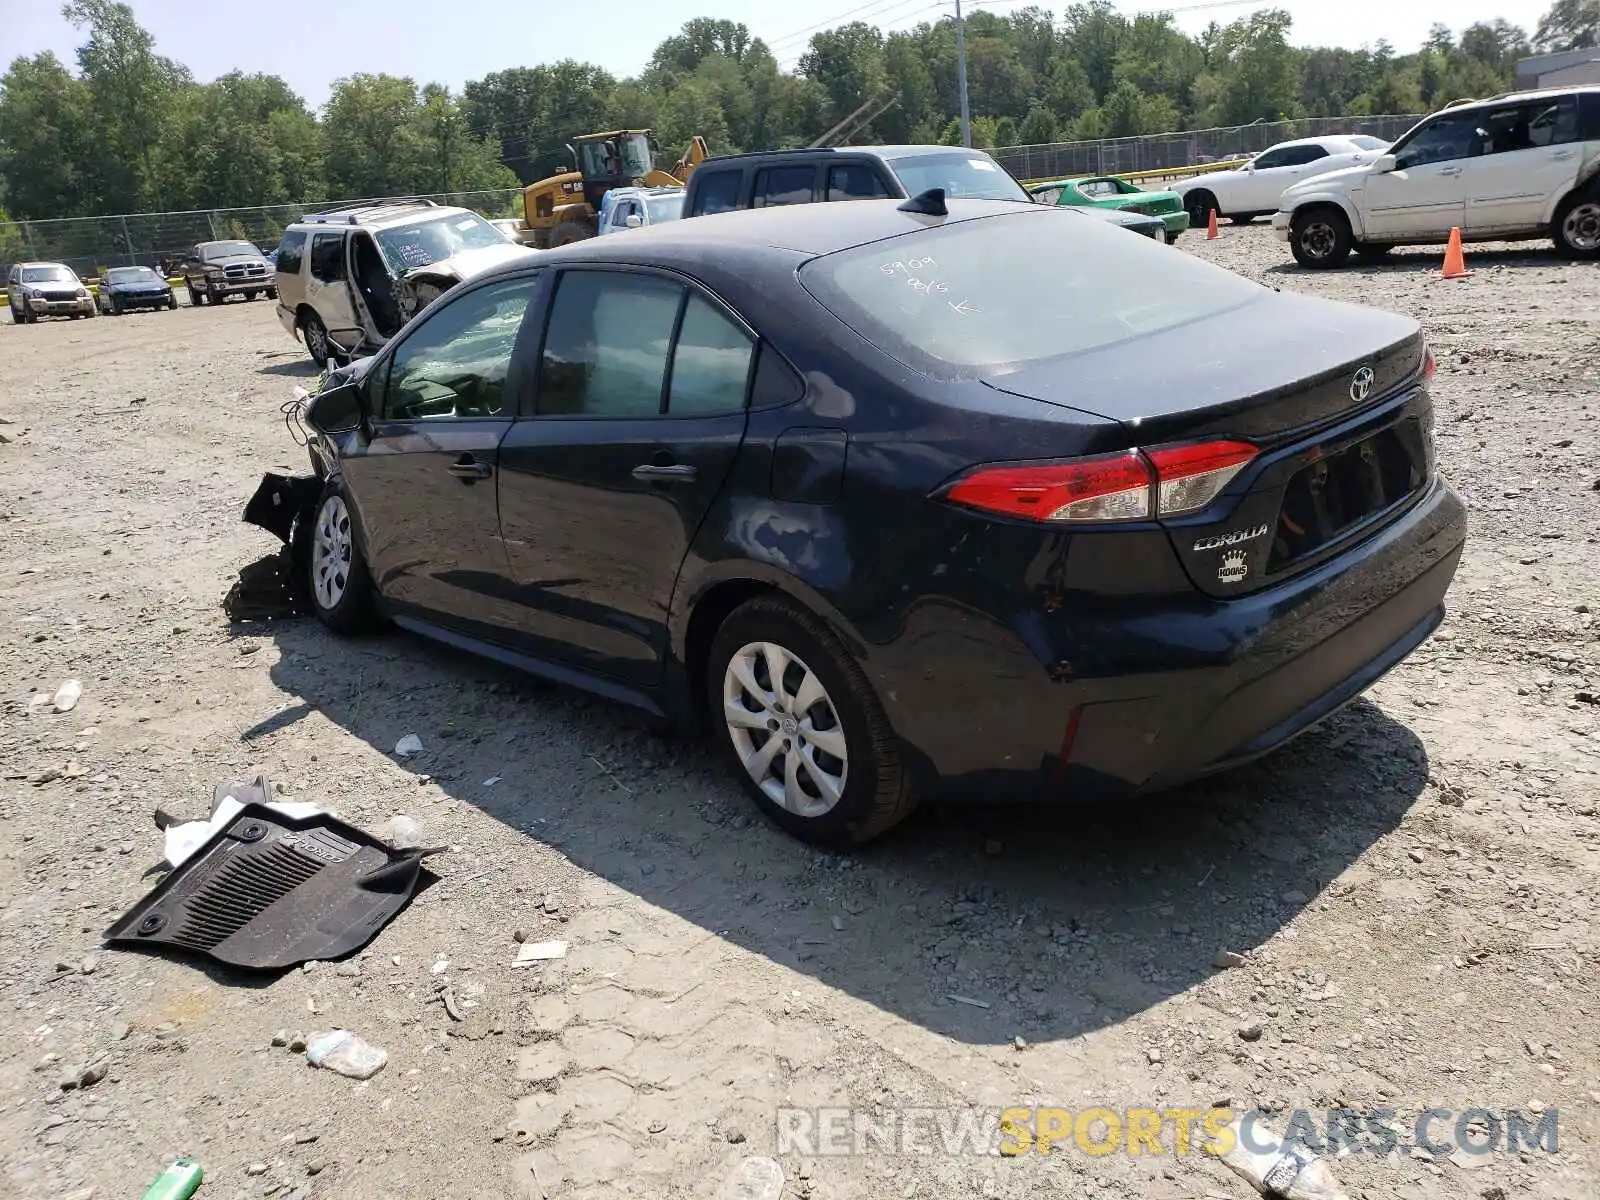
339	586
196	298
1576	227
801	727
172	302
1319	237
1172	239
315	335
568	232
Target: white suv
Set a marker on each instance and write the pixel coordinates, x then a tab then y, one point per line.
1252	190
1514	167
350	277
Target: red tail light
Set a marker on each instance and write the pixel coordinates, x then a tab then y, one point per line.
1131	486
1428	365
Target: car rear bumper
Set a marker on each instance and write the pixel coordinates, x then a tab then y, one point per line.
1144	695
1175	223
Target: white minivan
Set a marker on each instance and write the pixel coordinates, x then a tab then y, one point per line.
1511	168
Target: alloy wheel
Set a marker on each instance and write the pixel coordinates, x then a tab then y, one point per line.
1582	227
1318	238
331	548
785	729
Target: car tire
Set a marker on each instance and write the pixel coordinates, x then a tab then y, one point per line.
1200	204
195	298
172	302
1320	237
568	232
1172	239
338	586
825	798
1576	227
116	307
315	335
251	295
272	293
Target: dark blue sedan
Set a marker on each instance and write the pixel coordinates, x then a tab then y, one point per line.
831	480
125	288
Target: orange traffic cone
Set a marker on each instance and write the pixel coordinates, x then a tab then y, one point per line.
1455	263
1211	225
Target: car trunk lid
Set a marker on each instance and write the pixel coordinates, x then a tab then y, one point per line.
1323	391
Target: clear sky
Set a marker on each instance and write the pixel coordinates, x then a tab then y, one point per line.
451	41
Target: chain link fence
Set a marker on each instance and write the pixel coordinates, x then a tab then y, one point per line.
1175	151
88	244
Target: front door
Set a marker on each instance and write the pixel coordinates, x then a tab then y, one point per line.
1426	193
423	480
1530	157
640	407
1263	184
328	290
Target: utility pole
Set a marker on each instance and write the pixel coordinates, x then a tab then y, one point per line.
961	77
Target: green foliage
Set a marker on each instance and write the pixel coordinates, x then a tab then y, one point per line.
130	130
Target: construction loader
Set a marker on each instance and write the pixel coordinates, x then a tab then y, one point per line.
564	208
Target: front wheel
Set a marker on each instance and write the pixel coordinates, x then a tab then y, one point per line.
1320	238
1200	205
802	728
251	295
1576	227
172	302
339	587
196	299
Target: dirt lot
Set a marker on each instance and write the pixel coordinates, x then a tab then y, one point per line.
1414	886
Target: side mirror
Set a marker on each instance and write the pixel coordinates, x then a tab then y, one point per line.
634	221
337	410
1385	163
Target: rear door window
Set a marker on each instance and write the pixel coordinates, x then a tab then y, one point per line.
716	191
327	257
784	185
710	363
292	251
962	300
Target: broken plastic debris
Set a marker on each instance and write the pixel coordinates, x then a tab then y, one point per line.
346	1053
491	781
405	833
178	1182
968	1000
183	840
756	1178
408	745
532	952
68	695
1289	1171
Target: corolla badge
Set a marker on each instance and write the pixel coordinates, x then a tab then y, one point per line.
1361	385
1217	541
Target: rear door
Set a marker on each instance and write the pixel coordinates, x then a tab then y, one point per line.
640	411
422	479
328	289
1530	158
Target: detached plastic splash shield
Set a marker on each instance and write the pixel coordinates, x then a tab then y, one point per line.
269	891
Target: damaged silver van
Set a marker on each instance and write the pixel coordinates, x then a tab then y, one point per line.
348	278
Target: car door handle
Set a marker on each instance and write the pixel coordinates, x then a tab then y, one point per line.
1450	171
668	473
1564	154
471	470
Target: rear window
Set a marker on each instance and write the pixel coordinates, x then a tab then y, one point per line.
997	294
963	174
716	191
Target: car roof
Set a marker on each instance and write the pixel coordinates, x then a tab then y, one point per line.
42	263
377	216
1518	97
887	153
806	229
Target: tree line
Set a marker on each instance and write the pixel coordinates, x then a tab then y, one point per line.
130	130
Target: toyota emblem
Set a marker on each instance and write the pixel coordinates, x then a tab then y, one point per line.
1361	385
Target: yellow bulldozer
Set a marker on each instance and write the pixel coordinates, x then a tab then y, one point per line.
565	208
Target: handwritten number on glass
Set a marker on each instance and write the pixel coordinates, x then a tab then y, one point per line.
908	270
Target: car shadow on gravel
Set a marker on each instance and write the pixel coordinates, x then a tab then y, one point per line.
1431	258
299	369
1054	920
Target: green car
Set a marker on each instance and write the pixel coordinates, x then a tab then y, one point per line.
1105	191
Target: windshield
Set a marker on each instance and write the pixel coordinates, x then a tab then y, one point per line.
48	275
132	275
664	208
421	245
963	174
227	250
965	298
1364	142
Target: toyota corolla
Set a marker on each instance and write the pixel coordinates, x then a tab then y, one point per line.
830	481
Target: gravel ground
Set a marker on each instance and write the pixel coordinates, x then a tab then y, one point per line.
1411	889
